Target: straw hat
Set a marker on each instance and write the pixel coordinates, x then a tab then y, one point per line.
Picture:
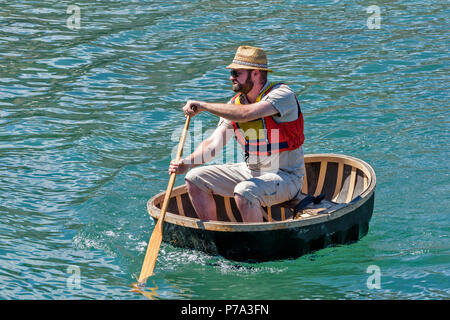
248	57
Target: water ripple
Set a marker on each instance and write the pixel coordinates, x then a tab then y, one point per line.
87	119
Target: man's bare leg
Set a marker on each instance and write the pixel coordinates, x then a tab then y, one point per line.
249	211
202	201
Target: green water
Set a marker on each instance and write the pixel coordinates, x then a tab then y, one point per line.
87	122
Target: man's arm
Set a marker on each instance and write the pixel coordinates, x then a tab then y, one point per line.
210	147
233	112
205	152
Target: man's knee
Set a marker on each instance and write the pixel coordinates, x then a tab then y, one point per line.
195	183
191	176
192	187
245	191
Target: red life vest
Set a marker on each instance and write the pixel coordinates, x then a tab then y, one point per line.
265	136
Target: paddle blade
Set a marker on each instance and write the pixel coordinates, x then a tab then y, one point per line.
150	293
151	254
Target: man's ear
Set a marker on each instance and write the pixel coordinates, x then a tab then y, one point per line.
256	74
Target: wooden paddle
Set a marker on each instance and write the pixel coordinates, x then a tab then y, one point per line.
156	238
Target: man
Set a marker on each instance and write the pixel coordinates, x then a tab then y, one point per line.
266	119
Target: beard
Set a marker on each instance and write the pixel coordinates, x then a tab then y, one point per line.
245	87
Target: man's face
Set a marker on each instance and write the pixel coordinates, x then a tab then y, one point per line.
242	81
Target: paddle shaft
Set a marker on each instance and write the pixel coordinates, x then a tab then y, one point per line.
156	238
173	175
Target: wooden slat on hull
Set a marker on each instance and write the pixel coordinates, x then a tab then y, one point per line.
228	210
322	172
338	187
180	205
351	187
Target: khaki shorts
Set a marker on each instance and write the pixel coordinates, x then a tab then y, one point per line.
264	189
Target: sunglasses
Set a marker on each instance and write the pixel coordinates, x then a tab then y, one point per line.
235	73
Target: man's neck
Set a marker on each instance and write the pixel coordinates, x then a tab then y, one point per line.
254	93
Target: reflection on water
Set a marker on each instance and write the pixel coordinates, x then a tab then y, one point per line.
150	293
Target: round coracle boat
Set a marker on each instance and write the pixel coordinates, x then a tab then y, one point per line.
338	198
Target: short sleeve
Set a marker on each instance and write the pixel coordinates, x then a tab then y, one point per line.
284	100
225	122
